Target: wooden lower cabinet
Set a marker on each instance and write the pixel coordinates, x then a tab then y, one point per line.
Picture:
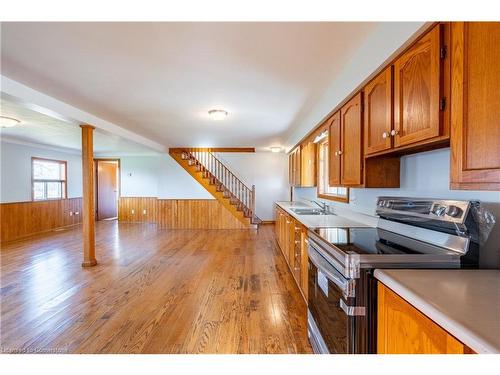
402	329
291	236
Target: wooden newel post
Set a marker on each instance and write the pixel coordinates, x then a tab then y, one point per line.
89	259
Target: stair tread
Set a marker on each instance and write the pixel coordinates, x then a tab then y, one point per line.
219	190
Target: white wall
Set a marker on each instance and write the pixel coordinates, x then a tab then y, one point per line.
149	176
267	171
163	177
157	176
176	183
424	175
139	176
16	171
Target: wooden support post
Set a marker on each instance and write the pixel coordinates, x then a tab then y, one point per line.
89	259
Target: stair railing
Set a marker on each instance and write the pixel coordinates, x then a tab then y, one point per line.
223	176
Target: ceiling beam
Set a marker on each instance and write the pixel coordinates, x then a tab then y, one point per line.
212	149
51	106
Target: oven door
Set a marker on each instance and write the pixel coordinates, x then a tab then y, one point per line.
332	315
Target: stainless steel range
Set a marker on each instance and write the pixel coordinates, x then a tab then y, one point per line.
411	233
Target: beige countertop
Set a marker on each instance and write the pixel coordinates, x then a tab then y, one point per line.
319	221
466	303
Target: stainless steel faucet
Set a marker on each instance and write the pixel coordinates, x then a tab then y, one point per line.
324	207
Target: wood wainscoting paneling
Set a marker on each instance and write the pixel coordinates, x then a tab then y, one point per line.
195	214
177	213
138	209
24	219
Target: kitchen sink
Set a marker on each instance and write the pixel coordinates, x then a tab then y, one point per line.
308	211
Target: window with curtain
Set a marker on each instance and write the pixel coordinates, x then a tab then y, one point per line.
324	189
48	179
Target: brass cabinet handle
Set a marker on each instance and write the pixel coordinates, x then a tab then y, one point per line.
394	132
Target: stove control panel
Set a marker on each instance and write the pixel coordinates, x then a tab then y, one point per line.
432	209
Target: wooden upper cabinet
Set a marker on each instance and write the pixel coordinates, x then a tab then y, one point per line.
308	164
475	107
417	91
298	170
378	113
294	167
334	150
351	160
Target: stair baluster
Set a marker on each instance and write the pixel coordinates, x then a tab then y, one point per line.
232	188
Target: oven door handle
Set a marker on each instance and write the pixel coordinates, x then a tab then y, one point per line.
331	274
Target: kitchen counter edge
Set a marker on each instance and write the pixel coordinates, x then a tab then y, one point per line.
431	309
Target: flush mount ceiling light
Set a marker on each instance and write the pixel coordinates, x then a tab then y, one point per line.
217	114
276	149
8	122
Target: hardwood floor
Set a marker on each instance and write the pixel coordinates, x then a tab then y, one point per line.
153	291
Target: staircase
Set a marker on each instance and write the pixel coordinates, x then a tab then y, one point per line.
218	180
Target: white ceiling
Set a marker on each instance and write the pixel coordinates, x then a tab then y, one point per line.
40	129
160	79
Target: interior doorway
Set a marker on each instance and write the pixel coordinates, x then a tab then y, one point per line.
107	182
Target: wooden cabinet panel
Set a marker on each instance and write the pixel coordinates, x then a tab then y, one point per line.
378	113
291	236
308	164
402	329
294	167
304	262
475	112
351	168
298	171
417	91
334	149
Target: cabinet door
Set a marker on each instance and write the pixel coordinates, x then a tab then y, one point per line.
288	237
297	167
279	226
294	165
290	169
351	160
417	91
475	107
378	113
276	223
334	149
304	262
295	251
308	164
402	329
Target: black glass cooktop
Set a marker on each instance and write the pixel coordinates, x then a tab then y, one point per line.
369	241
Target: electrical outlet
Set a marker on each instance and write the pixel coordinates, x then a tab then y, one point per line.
133	211
71	213
77	213
144	212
